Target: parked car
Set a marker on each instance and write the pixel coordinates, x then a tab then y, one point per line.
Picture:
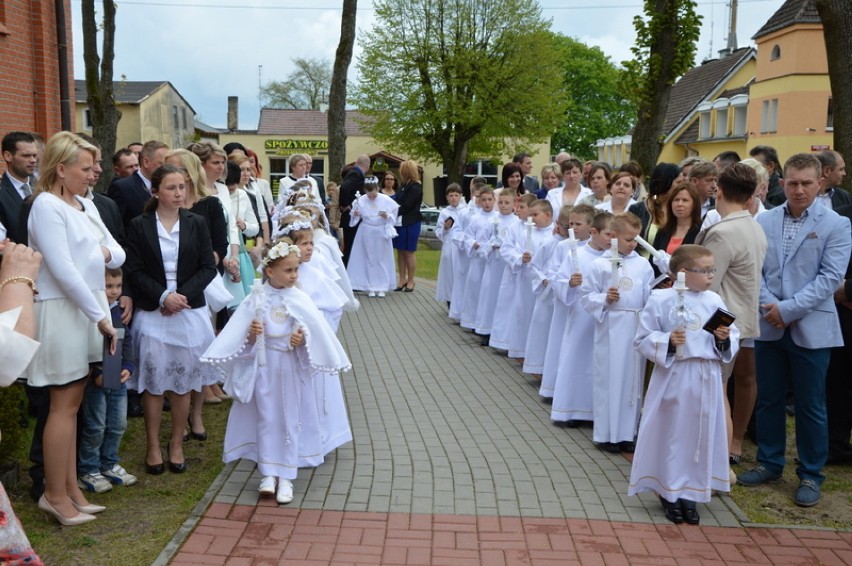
427	227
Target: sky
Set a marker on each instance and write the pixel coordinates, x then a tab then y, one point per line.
212	49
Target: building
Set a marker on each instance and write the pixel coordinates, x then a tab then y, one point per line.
790	101
150	110
777	94
282	132
31	72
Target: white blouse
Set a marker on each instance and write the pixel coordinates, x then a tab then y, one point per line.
70	241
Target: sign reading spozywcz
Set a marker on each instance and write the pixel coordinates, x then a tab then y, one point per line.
291	146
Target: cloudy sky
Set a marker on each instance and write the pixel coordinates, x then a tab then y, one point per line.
212	49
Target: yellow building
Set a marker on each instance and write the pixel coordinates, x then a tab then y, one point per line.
149	111
282	132
790	101
778	94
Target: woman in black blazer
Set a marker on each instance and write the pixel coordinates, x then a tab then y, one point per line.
683	219
409	197
169	263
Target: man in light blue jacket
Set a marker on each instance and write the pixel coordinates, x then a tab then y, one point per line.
809	247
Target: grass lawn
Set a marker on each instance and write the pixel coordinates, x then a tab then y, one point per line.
140	519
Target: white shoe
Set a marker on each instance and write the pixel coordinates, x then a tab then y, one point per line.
94	483
381	294
119	476
285	491
267	486
371	294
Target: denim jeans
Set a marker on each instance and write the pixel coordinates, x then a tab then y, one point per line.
779	363
104	423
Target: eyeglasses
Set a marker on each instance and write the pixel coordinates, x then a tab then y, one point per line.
710	271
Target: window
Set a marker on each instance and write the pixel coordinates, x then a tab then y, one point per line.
829	119
722	123
740	116
776	53
175	117
183	117
318	169
769	116
704	124
481	168
87	119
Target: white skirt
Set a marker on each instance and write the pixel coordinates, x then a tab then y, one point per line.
69	342
168	349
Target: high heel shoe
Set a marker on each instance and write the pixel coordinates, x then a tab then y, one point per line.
174	467
81	518
90	508
192	434
154	469
408	289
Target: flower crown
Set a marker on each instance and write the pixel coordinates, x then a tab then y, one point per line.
293	227
279	250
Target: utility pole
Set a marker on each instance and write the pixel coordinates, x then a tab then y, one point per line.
731	45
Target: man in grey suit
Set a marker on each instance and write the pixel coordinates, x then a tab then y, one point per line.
809	247
20	153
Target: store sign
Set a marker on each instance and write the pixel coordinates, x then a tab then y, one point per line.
291	146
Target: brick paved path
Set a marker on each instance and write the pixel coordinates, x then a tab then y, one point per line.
455	461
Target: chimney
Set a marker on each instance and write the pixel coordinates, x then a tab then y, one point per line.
732	30
233	113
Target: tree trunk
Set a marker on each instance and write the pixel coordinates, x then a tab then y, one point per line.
337	92
99	73
645	145
837	29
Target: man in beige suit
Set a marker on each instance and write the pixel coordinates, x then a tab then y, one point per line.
739	245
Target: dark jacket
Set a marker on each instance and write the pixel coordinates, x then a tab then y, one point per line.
409	198
352	183
10	208
131	195
661	242
210	208
144	265
111	217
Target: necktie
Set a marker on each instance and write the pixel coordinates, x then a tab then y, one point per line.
27	190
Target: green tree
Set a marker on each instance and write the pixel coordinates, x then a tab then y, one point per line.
597	105
337	93
99	86
306	88
665	49
837	30
455	80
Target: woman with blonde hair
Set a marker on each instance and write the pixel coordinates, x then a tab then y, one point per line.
65	227
409	198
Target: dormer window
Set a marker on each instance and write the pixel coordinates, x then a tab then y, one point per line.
776	53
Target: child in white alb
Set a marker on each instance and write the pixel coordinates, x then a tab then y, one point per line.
614	293
444	228
478	234
270	352
682	449
460	259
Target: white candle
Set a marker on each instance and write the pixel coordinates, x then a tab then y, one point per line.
529	225
571	234
613	247
615	259
680	287
648	247
572	247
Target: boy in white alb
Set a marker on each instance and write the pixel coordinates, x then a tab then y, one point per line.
446	225
494	265
682	449
614	293
501	326
460	259
544	265
478	234
581	218
528	242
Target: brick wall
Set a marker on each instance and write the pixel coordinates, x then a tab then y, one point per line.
29	74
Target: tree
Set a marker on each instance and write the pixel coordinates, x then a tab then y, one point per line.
837	29
99	86
337	93
455	80
665	50
597	105
305	88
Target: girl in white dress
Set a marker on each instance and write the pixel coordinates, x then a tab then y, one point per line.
271	351
371	265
